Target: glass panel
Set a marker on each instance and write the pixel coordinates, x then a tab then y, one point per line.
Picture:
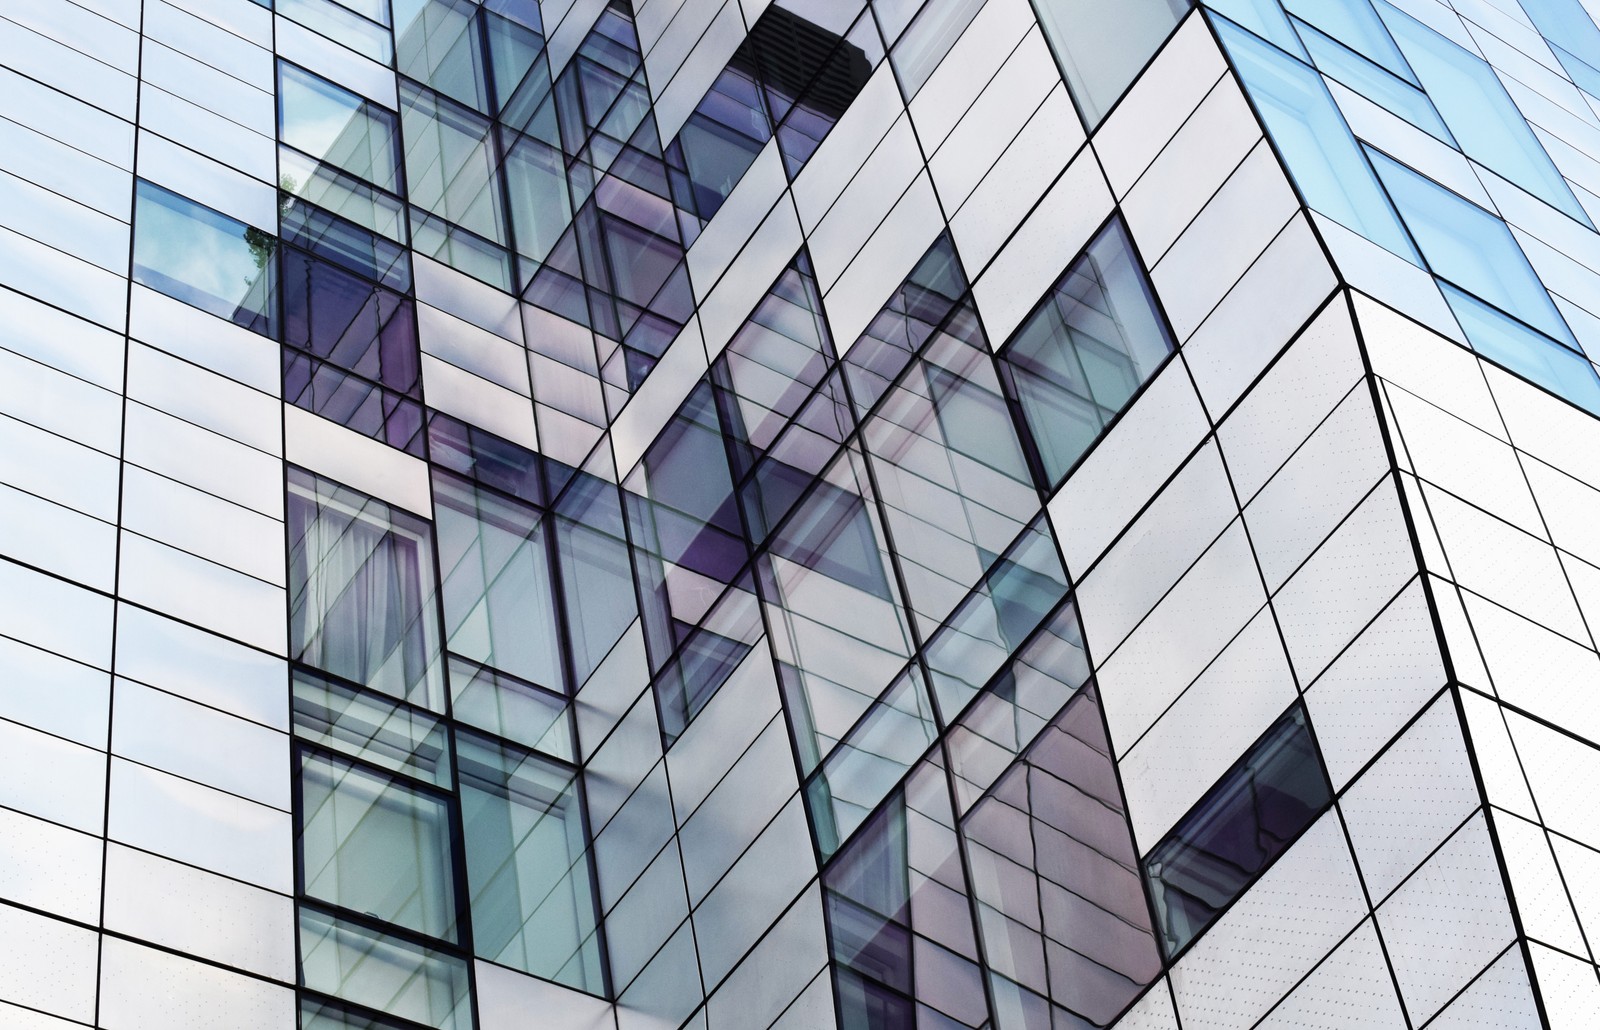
1102	44
1480	114
533	905
450	163
1237	830
336	126
1316	144
1080	356
361	591
499	602
204	258
366	38
930	37
396	737
1394	94
343	960
370	844
510	708
1470	247
355	324
1355	24
439	42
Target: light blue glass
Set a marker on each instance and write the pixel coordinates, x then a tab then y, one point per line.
1470	247
1584	74
1524	351
1355	24
1395	95
1480	114
204	258
1262	17
1566	22
1315	142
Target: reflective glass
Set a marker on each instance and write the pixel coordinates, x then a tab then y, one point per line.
1316	144
367	38
361	591
388	734
1080	356
338	127
371	844
511	708
1237	830
1339	62
1481	116
204	258
341	959
533	905
1102	44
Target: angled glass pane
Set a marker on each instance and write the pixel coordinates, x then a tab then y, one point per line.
341	959
499	601
204	258
511	708
439	42
338	127
386	733
1356	25
1480	114
1102	44
1082	354
372	844
338	22
1468	246
533	904
1317	147
1236	831
361	591
1384	88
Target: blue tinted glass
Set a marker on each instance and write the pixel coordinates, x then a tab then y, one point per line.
1356	25
1236	831
1524	351
1314	140
1470	247
1262	17
204	258
1339	62
1481	116
1568	23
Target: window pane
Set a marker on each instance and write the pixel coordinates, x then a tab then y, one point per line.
338	127
533	906
370	844
1237	830
361	591
1102	44
204	258
393	736
1315	142
343	960
1081	355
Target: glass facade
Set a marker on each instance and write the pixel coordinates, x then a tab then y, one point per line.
772	515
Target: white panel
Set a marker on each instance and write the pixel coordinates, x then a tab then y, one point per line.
1536	670
678	81
1542	903
1351	990
212	343
458	392
215	529
1449	920
842	232
1345	583
1571	509
145	989
744	284
207	182
52	778
1044	244
773	974
1376	686
357	461
1498	766
1411	799
195	590
201	913
1190	627
974	59
993	120
476	350
1021	175
749	900
1311	376
49	867
1562	771
1505	564
1186	516
1326	478
1499	999
720	242
1580	869
47	964
1570	988
883	263
299	44
652	406
1161	99
1122	472
197	394
1197	162
847	146
1206	729
505	997
1427	364
723	729
1473	465
1283	289
1282	927
1224	239
1154	1011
